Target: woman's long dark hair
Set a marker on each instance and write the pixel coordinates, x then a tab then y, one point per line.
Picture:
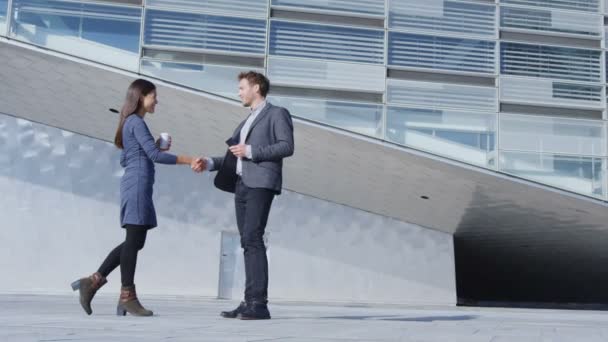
138	89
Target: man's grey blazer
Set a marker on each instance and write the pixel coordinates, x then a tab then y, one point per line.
271	140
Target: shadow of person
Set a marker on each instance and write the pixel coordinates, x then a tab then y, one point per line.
406	319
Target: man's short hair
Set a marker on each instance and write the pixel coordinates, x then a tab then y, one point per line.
256	78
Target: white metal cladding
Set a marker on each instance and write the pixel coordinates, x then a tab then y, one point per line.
204	32
552	135
575	5
549	92
441	53
324	74
256	8
550	62
363	118
550	20
216	79
430	95
439	16
326	42
357	7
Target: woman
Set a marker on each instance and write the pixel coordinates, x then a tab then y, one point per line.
137	214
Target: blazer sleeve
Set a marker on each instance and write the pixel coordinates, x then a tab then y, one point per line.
282	128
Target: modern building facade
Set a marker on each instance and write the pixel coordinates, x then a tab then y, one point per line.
500	105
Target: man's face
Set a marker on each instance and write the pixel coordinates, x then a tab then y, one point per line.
247	93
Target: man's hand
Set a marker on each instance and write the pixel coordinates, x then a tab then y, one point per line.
199	165
239	151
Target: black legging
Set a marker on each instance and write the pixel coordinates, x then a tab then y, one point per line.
125	255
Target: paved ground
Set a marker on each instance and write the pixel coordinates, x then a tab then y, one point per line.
59	318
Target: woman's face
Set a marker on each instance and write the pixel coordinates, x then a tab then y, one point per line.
149	102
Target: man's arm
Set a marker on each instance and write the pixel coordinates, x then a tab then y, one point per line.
284	147
214	163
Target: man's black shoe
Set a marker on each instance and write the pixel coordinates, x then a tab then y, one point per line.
254	311
234	313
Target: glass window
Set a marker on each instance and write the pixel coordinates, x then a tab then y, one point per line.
356	117
554	135
103	33
459	135
216	79
579	174
326	42
3	9
326	74
440	53
576	5
249	8
359	7
204	32
431	94
550	62
452	17
578	23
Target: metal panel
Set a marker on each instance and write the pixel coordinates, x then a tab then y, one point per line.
547	92
446	95
326	74
550	61
441	53
247	8
443	17
326	42
205	32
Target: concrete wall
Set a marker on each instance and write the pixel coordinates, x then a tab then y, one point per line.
60	219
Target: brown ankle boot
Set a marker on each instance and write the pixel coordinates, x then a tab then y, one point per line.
129	303
88	287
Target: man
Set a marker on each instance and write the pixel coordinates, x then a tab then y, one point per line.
252	170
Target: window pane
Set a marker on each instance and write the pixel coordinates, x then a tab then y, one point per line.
3	9
365	7
205	32
440	53
555	135
356	117
430	95
325	74
220	80
550	62
326	42
459	135
580	23
530	90
251	8
453	17
103	33
579	174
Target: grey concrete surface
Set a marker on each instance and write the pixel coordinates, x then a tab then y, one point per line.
26	318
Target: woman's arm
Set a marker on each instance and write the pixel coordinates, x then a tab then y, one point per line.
146	141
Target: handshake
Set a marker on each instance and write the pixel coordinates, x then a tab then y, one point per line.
199	165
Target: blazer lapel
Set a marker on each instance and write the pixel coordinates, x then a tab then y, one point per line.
258	118
235	138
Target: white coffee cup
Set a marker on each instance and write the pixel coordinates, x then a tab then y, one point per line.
164	141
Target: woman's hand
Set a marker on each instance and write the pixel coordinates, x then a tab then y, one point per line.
199	165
